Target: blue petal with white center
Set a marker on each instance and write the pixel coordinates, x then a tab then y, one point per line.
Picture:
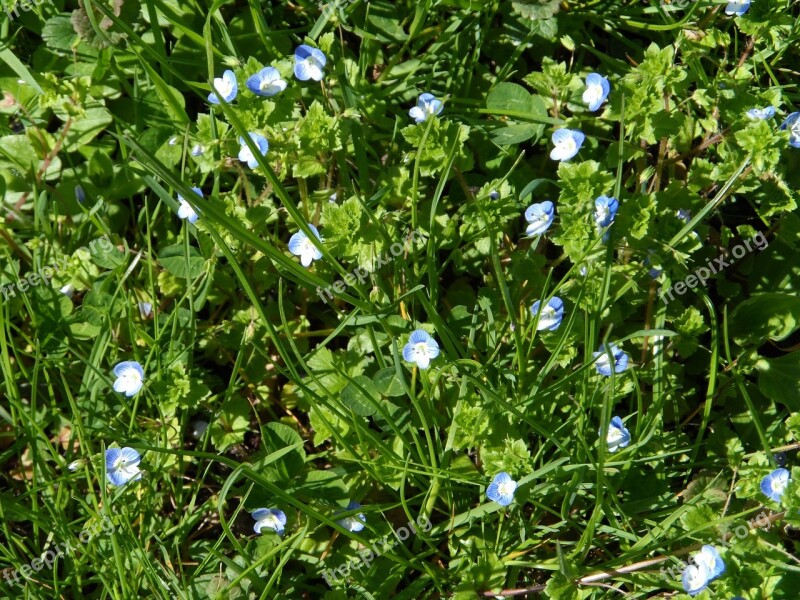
762	114
122	465
267	82
605	210
130	378
246	155
694	579
502	489
551	316
618	435
597	90
270	518
539	217
737	7
792	124
566	143
604	366
300	245
226	86
309	63
356	522
774	485
427	106
421	349
185	210
709	558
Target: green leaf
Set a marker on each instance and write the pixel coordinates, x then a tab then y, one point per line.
361	400
779	379
387	383
231	425
173	259
773	315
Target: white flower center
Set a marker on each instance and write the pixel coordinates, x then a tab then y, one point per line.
602	213
421	349
506	488
223	86
569	145
696	578
131	378
778	484
593	94
308	246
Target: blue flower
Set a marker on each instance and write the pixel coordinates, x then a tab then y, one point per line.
267	82
604	366
427	105
301	246
355	523
539	217
122	465
709	558
185	210
684	214
226	86
761	113
494	195
552	314
605	210
597	89
309	63
420	349
792	123
695	579
774	484
618	436
245	155
197	150
502	489
271	518
737	7
130	378
145	309
567	142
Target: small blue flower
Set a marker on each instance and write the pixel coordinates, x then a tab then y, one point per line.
709	558
185	210
145	310
774	484
226	86
792	123
197	150
267	82
539	217
494	195
80	195
427	106
301	246
245	155
761	113
271	518
605	210
603	365
122	465
502	489
552	314
695	579
737	7
566	143
355	523
597	89
130	378
618	436
420	349
684	214
309	63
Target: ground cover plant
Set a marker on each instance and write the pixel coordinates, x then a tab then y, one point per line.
436	299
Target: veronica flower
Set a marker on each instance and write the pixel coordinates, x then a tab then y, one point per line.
605	210
539	217
737	7
502	489
76	464
427	105
68	290
199	428
80	194
355	523
271	518
709	558
774	484
130	377
551	315
267	82
567	142
420	349
684	214
226	86
603	364
197	150
145	309
618	435
761	113
792	123
597	89
122	465
309	63
494	195
301	246
185	210
246	155
695	579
